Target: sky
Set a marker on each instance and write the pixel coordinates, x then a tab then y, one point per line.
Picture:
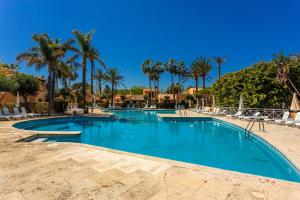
130	31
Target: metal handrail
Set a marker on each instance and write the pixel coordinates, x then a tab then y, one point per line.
249	125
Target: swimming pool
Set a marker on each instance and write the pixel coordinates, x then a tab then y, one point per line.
204	141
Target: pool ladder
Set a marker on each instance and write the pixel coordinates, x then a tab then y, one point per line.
248	129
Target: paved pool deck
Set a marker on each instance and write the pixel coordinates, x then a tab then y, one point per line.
38	171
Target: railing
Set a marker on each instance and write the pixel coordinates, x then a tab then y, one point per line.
270	113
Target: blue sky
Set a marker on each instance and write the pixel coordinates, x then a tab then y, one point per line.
129	31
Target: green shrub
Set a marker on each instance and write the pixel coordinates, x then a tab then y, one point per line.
257	84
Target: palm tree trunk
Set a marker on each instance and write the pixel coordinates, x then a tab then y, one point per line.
92	83
112	94
157	89
56	80
100	85
150	93
173	92
203	81
49	92
219	72
52	90
196	83
84	83
179	82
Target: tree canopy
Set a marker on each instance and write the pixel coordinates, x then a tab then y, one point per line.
257	84
28	85
8	84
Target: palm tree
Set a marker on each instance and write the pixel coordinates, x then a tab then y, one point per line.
158	69
84	42
100	77
147	68
48	53
195	72
283	64
171	67
113	77
73	75
182	72
94	55
219	61
205	67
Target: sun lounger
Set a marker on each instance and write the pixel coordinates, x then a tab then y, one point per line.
17	112
205	109
297	124
254	116
194	109
24	112
217	110
236	115
11	116
282	121
208	112
2	117
292	122
222	113
199	110
270	120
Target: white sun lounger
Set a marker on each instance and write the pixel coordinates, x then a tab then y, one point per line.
11	116
217	110
208	112
285	117
297	124
292	122
222	113
24	112
2	117
17	112
236	115
201	110
254	116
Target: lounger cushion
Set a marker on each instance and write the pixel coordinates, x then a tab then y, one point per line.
268	120
279	121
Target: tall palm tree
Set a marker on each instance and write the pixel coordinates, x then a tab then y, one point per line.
171	67
182	74
94	55
47	53
113	77
205	67
147	68
195	72
84	42
283	64
99	77
158	69
219	60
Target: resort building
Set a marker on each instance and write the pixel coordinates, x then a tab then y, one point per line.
148	92
192	91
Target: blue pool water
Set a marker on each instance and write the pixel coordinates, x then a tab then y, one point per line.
200	141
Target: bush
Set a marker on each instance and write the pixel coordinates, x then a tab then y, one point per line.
8	84
257	84
39	107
